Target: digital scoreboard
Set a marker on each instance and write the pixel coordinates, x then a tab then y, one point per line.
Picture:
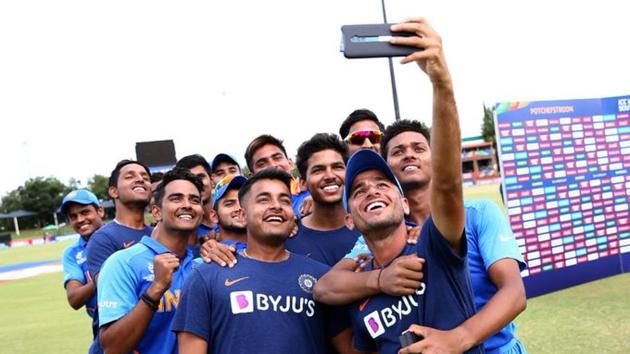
566	182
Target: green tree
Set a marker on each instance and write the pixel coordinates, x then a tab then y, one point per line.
11	202
487	127
99	185
488	132
43	196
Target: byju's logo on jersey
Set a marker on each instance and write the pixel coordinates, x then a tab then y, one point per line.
242	301
373	324
307	282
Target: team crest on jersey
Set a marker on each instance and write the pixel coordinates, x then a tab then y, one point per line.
307	282
150	276
80	257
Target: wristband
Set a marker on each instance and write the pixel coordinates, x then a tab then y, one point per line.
378	280
153	304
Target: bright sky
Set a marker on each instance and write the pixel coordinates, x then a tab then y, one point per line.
81	82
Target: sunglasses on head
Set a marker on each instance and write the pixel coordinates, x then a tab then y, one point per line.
358	137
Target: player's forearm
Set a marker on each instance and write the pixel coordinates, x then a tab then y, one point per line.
447	206
123	335
78	294
342	286
503	307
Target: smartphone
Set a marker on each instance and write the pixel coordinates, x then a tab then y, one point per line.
408	338
372	41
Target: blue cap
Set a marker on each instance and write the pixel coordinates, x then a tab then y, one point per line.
222	158
365	160
79	196
227	183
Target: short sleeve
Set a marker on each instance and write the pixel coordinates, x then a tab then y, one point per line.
494	236
435	244
359	247
98	250
71	269
116	290
195	307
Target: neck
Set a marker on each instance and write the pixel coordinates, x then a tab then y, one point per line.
266	252
175	240
325	217
387	244
231	235
419	203
130	216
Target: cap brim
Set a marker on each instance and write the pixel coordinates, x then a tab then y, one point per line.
236	183
365	160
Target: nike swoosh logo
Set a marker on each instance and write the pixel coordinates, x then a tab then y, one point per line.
232	282
128	244
363	304
504	238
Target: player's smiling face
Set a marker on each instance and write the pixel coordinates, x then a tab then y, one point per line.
325	176
201	172
134	185
271	156
375	202
181	208
84	219
268	211
409	157
229	211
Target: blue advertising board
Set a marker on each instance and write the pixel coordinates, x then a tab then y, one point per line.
565	167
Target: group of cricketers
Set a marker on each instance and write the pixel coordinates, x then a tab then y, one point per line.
371	249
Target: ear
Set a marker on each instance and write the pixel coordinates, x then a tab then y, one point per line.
405	205
348	221
100	212
302	183
156	211
241	214
214	217
113	192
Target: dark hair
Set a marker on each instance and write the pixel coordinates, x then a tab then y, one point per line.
113	177
192	161
319	142
401	126
259	142
156	177
173	175
268	173
357	116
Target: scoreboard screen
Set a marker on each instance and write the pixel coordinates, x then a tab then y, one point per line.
566	182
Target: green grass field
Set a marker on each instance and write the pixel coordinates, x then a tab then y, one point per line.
590	318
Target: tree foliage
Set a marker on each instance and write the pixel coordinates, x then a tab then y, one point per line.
99	185
40	195
487	127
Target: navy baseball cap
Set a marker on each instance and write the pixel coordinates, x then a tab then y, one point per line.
227	183
222	158
79	196
365	160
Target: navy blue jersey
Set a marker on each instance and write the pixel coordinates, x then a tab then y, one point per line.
110	238
256	307
443	301
327	247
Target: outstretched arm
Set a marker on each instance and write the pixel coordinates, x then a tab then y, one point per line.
447	204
